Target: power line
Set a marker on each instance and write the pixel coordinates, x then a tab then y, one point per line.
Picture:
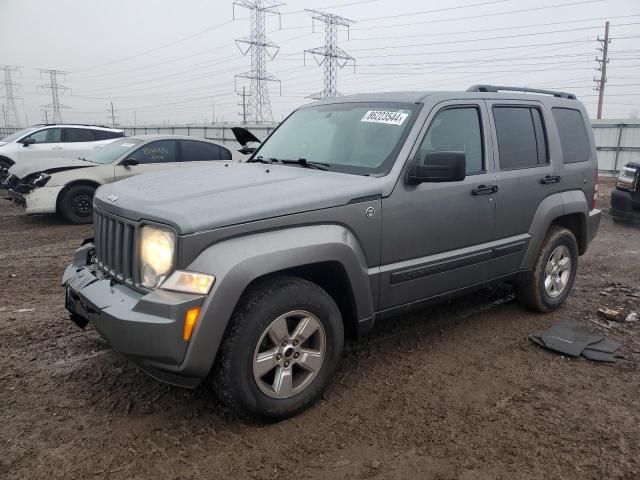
56	89
602	67
258	47
11	117
333	57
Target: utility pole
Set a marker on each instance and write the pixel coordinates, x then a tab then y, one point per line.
4	115
213	113
113	115
244	105
56	89
602	67
45	115
258	47
135	119
332	56
11	112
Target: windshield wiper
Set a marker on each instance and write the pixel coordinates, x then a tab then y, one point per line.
261	159
307	164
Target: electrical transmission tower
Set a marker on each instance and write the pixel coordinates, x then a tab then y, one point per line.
56	89
258	47
333	57
11	112
602	67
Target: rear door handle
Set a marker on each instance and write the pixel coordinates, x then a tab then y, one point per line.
56	148
485	189
550	179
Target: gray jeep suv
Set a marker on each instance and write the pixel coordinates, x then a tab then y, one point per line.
354	209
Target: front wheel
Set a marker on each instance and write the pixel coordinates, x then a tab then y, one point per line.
550	282
76	204
282	351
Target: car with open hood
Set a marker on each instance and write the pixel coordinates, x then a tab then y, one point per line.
353	210
66	186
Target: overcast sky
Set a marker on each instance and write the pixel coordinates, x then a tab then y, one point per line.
170	61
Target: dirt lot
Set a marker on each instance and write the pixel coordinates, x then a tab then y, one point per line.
454	392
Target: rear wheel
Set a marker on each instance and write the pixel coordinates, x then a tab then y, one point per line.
282	351
76	204
550	282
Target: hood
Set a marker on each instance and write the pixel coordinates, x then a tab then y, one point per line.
48	165
244	136
213	196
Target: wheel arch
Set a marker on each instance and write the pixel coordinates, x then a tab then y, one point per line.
568	209
5	159
328	255
70	185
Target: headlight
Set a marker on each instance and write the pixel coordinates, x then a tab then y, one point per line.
157	247
189	282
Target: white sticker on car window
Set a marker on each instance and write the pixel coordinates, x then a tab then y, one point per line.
384	116
127	144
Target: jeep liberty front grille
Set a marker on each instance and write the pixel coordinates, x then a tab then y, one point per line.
115	245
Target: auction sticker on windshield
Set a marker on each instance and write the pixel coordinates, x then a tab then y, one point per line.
384	116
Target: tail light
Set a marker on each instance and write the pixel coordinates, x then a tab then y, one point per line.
594	201
628	177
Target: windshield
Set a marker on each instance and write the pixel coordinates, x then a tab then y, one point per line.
20	133
111	151
359	138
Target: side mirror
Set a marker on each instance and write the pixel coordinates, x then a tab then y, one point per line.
438	167
27	141
129	162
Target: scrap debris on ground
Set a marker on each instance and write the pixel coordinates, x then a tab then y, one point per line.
574	338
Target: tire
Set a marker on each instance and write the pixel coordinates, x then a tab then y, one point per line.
257	392
547	287
76	204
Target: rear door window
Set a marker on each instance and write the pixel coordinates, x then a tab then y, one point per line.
161	151
573	135
106	135
522	141
194	151
74	135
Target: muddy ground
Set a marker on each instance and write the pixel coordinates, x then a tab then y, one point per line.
454	392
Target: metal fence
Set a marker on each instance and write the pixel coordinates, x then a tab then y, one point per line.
617	141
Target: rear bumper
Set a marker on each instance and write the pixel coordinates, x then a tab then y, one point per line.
147	328
38	200
593	223
625	206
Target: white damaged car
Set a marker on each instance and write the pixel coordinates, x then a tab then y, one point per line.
67	186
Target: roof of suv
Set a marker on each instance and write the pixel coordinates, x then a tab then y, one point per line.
482	91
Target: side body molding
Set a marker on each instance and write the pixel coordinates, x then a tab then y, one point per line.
238	261
552	207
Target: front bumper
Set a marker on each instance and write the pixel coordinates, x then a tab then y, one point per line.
625	206
38	200
146	327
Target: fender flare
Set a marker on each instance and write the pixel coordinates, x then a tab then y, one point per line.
551	208
239	261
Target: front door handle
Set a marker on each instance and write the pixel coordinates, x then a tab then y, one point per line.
56	148
548	179
485	189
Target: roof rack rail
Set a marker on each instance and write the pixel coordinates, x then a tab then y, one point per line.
496	88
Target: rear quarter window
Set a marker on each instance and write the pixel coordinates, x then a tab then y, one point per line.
573	135
106	134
